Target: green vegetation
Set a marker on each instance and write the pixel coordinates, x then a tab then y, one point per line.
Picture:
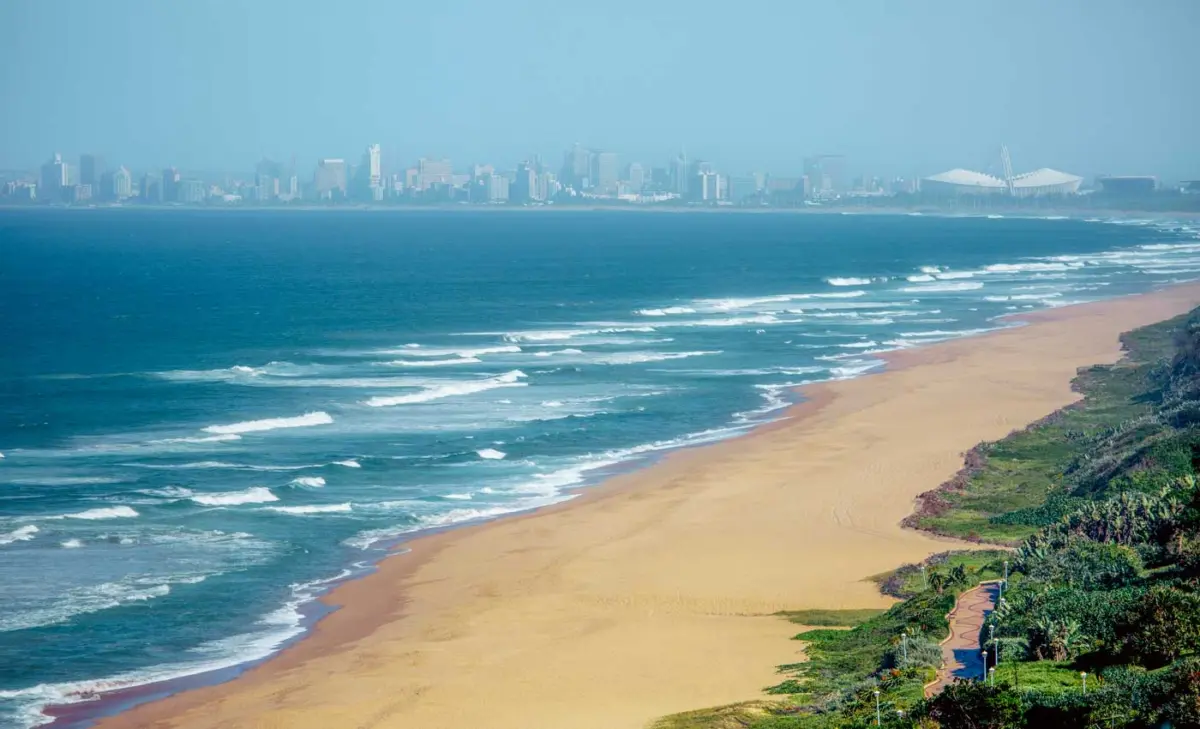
1031	478
1102	505
829	618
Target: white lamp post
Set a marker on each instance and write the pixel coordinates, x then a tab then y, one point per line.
878	717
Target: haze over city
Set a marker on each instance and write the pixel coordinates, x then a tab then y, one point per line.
899	90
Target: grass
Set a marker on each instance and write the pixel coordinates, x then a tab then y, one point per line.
906	581
732	716
999	499
830	618
1044	676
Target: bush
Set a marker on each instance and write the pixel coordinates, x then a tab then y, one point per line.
1086	565
1160	627
973	704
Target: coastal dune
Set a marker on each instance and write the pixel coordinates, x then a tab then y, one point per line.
653	592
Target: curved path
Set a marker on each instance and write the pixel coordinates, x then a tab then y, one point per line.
961	652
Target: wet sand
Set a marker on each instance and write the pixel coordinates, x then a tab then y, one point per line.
652	593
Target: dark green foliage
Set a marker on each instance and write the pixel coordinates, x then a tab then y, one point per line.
976	705
838	618
1082	564
1160	627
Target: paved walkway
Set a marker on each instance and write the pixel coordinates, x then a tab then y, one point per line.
961	651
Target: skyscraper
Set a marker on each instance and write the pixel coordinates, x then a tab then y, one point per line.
152	189
679	175
525	187
329	180
604	172
170	184
91	169
826	173
371	162
55	176
577	166
122	185
636	175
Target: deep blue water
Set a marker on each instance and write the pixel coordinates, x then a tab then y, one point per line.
205	417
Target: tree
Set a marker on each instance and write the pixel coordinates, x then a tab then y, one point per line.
974	705
1160	627
937	581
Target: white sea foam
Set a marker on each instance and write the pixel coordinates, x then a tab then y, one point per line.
258	426
943	334
170	492
848	281
942	287
554	335
432	362
311	482
418	350
21	534
859	345
200	439
451	389
64	481
252	495
111	512
349	463
312	509
274	630
642	357
72	544
557	352
667	311
491	454
921	278
1028	267
1023	297
457	497
854	369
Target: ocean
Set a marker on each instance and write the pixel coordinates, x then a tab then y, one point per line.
208	418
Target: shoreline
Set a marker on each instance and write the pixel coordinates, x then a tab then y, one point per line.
397	596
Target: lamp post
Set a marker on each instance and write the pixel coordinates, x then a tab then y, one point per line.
924	578
1006	571
878	717
985	666
992	676
904	645
1083	675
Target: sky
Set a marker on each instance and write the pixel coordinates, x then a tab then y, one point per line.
900	88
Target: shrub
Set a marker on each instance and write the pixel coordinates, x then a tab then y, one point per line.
973	704
1160	627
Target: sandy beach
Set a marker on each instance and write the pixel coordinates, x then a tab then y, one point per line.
653	592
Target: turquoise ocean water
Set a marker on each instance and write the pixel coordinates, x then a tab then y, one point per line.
208	418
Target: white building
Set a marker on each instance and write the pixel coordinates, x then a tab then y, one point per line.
1044	181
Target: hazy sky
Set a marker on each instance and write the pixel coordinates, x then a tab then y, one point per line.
1087	86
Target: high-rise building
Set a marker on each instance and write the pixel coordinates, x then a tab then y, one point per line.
152	188
636	176
120	184
190	191
605	173
706	186
826	173
431	172
743	187
170	184
55	176
329	180
525	186
679	175
577	167
371	160
497	188
91	169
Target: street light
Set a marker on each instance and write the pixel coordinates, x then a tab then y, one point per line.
992	675
924	578
904	645
1083	675
985	666
878	718
1006	571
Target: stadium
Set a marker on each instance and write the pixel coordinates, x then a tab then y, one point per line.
1041	182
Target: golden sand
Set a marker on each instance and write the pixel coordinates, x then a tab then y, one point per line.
652	593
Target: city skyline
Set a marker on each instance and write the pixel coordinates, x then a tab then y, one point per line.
908	92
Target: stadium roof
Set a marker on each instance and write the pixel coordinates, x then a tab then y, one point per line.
967	177
1045	177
